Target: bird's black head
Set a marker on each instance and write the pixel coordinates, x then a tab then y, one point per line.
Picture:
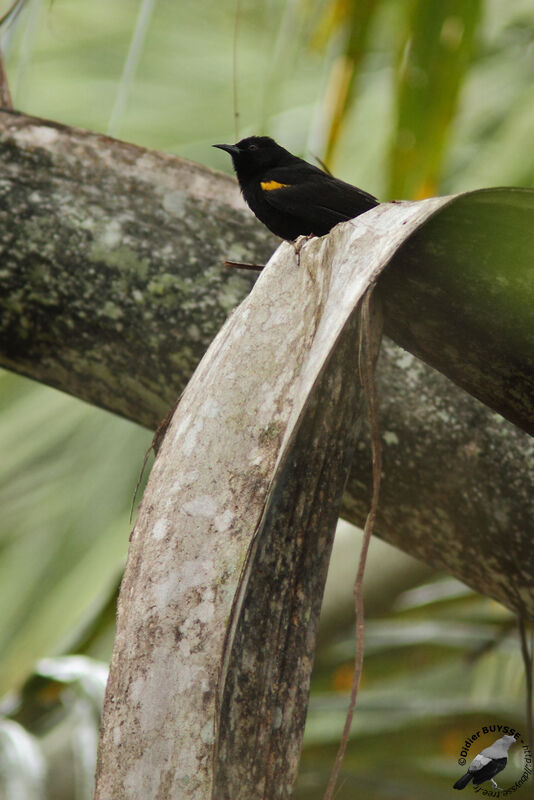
255	154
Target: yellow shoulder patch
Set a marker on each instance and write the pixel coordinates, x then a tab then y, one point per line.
268	186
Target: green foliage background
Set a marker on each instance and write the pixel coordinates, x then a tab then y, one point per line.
406	98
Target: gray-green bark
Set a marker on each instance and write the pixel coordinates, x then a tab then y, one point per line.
113	287
111	264
457	488
460	295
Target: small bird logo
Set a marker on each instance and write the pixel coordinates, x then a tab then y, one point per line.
291	197
487	764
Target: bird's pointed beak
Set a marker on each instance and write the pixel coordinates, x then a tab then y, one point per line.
233	149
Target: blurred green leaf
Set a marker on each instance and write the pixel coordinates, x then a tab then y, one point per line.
417	704
349	25
66	483
435	56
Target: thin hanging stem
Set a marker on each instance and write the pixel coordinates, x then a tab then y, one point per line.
235	69
13	10
27	43
527	661
131	64
367	375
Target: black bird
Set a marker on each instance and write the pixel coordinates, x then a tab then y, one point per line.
291	197
487	764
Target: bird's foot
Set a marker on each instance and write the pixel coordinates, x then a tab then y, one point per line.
299	243
497	788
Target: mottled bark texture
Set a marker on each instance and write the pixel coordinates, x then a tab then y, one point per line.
459	294
113	288
111	264
457	486
222	589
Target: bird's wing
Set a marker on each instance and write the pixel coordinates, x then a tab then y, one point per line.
478	762
489	770
307	192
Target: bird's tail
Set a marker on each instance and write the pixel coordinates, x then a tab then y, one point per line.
462	782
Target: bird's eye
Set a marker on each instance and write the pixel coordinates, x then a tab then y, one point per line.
253	147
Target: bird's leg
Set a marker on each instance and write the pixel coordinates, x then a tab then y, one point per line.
497	788
299	243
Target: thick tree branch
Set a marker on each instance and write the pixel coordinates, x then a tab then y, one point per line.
457	482
459	294
112	276
113	288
